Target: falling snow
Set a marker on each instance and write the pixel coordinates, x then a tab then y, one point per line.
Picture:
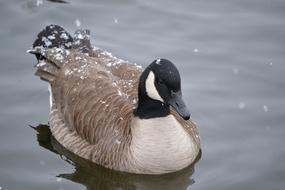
42	163
77	23
235	71
265	108
241	105
39	2
195	50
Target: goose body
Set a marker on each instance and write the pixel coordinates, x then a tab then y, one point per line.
111	112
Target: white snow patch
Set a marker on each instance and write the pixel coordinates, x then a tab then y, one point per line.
78	58
102	102
64	35
46	41
79	36
158	61
69	44
51	37
58	179
41	63
58	56
68	72
117	141
107	53
138	66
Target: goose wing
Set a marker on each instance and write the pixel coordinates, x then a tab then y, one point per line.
94	95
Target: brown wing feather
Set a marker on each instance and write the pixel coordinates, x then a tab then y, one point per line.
94	105
91	96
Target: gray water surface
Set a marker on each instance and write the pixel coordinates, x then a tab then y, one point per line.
230	54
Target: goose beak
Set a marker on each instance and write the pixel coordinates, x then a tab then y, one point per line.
178	104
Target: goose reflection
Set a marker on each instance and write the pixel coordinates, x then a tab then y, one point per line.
95	177
57	1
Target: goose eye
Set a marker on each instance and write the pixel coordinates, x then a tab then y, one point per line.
160	81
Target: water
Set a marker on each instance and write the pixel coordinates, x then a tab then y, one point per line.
231	57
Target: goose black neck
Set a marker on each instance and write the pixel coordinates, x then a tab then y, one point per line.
149	108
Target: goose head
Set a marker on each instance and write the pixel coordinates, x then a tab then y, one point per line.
160	88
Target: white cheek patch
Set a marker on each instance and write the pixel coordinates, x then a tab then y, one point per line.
150	88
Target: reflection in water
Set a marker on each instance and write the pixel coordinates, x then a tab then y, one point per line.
58	1
95	177
33	5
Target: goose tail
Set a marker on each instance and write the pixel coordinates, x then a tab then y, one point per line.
54	38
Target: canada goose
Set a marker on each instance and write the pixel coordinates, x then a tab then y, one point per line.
111	112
